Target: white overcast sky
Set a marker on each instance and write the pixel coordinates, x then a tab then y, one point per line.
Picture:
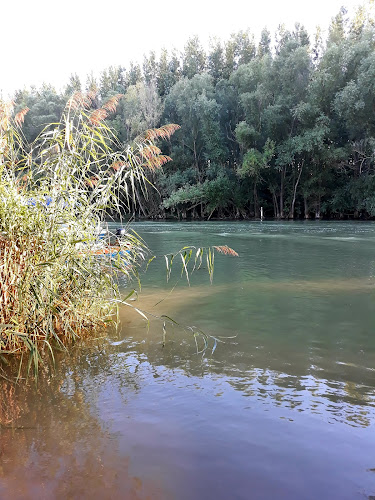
46	40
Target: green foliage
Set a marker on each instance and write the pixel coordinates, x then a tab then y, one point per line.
255	161
45	106
194	58
140	109
212	193
313	101
192	104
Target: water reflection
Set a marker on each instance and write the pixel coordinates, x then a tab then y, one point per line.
72	436
52	444
315	374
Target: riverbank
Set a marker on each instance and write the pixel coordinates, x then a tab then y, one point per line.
338	218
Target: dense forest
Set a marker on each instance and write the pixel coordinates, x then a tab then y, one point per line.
286	123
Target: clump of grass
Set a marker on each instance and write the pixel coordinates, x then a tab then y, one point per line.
55	195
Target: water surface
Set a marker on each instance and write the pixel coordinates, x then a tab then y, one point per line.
285	409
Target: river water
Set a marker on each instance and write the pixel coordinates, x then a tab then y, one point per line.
283	408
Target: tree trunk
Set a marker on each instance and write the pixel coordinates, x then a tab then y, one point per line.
275	206
291	213
317	209
255	195
282	179
196	162
306	207
212	211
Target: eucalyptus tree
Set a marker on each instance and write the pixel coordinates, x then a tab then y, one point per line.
74	85
293	69
140	109
112	81
230	114
255	96
193	105
133	75
239	49
162	74
149	68
264	46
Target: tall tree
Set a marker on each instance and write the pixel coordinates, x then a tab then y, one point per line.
150	68
73	85
264	46
215	62
168	72
194	58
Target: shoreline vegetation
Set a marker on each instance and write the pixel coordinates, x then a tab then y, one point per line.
284	123
61	276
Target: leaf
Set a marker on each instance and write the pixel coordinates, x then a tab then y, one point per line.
183	258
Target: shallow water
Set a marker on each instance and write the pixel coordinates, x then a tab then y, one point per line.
285	409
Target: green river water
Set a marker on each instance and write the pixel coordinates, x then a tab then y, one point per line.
284	410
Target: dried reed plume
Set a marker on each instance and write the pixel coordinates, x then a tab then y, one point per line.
226	250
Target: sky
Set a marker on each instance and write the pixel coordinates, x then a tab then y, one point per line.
46	41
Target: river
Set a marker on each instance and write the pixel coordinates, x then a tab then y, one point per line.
283	408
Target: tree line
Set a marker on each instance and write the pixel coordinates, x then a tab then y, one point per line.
286	123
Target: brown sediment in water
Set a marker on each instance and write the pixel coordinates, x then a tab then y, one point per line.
164	300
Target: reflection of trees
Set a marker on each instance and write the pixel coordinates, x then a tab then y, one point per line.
51	444
309	394
300	385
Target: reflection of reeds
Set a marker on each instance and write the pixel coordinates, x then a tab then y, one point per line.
10	410
51	445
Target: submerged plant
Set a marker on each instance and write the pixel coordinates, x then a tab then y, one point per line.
59	272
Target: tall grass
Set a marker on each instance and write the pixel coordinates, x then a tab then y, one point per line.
55	195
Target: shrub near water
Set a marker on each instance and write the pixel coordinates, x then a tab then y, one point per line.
54	196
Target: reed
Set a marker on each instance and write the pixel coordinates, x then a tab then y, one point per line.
55	196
